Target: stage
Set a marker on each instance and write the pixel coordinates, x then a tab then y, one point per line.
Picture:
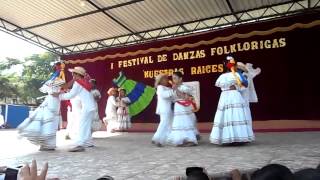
131	155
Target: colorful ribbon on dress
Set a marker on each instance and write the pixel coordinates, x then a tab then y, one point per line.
187	103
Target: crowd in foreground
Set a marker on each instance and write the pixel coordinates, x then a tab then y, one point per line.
268	172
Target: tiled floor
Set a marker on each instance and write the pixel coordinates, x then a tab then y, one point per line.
132	156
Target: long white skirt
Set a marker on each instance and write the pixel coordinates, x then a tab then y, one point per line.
112	122
40	128
96	123
84	137
183	126
233	121
72	129
123	118
163	129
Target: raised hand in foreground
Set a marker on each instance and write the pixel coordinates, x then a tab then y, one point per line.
31	173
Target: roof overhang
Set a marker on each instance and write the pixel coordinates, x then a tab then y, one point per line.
75	26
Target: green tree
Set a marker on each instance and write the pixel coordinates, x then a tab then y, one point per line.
36	70
8	89
8	63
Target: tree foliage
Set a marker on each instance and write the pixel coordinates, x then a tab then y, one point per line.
36	69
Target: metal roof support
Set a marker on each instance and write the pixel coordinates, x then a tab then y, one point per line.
113	18
184	28
232	10
218	24
28	36
81	15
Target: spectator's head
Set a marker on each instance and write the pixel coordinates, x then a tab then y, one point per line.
318	168
106	178
273	172
198	176
196	173
307	174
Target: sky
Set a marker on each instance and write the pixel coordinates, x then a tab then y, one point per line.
14	47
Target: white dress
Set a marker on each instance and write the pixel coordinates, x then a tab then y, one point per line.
165	97
42	124
96	123
74	117
84	137
183	126
123	116
111	114
232	122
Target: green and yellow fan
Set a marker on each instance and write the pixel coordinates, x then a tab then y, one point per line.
139	94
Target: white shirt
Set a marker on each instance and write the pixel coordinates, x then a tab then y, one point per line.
53	103
111	108
96	93
87	100
226	80
123	102
76	104
165	97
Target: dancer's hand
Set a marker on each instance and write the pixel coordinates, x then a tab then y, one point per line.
31	173
232	87
174	86
180	94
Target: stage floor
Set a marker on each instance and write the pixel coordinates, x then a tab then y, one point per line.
131	155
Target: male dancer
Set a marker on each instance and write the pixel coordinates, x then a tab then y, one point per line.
165	97
81	88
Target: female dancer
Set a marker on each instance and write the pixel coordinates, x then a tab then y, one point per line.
183	131
96	123
123	111
41	126
232	122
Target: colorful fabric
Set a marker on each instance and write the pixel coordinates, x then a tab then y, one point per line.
85	84
187	103
243	79
140	95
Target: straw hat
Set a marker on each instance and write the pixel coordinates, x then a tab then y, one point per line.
159	78
78	70
111	90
